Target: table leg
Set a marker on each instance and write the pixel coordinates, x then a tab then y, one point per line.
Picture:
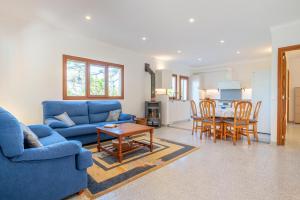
151	140
98	141
120	155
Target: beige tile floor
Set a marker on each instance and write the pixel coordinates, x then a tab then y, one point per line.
221	171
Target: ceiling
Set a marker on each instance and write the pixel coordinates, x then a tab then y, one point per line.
244	25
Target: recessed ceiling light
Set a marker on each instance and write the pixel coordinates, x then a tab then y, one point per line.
87	17
222	41
144	38
179	51
199	59
191	20
238	52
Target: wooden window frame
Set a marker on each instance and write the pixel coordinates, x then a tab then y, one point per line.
175	91
187	90
88	62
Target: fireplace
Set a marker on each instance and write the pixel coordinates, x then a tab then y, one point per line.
153	113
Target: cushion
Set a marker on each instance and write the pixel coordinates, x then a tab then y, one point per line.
11	135
124	117
77	110
231	122
52	139
30	139
82	129
113	115
64	117
217	120
99	110
55	123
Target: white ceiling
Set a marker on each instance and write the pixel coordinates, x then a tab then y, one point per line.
244	25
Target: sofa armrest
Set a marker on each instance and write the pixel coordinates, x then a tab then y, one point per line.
41	130
124	116
84	159
54	123
53	151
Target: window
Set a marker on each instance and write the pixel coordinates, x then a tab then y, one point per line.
173	91
91	79
183	87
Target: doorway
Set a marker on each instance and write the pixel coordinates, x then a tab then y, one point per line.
284	89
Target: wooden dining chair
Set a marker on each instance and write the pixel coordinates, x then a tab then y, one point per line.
253	122
209	121
240	122
195	117
233	103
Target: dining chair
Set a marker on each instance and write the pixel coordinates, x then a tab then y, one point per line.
240	122
196	118
233	103
209	120
253	122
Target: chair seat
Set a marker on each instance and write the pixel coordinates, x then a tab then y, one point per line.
252	121
196	117
231	122
217	120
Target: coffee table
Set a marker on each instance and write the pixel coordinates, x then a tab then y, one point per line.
120	132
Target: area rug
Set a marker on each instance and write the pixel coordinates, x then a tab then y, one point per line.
108	174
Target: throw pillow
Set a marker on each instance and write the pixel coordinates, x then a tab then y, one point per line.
30	138
55	123
64	117
113	115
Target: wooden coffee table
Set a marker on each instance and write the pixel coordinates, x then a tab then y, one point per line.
120	132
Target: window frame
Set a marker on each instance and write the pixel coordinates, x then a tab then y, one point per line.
187	89
89	62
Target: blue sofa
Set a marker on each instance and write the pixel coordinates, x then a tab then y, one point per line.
87	115
51	172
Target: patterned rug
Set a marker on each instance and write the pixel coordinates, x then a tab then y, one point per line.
107	173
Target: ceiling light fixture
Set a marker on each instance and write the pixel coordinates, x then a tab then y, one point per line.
144	38
191	20
222	41
87	17
199	59
179	51
238	52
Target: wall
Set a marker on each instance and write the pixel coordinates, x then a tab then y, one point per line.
31	68
282	36
293	63
240	71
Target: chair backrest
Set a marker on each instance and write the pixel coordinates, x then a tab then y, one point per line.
256	110
242	112
233	103
11	135
208	109
194	108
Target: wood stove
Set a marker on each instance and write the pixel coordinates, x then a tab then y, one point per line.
153	113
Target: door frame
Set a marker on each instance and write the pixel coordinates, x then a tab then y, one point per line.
280	90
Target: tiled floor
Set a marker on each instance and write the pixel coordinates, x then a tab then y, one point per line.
221	171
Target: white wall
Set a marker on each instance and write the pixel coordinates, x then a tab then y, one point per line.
293	63
240	71
282	36
31	68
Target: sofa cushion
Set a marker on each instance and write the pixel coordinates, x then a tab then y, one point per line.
55	123
11	135
30	139
52	139
64	117
81	129
77	110
98	110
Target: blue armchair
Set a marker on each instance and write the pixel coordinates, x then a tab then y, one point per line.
51	172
